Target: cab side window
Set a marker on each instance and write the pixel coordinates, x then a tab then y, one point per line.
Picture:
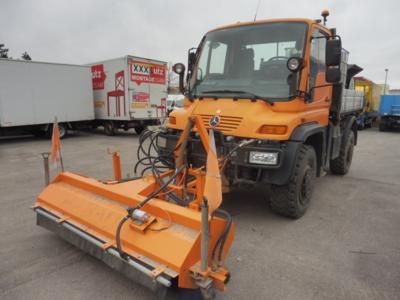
317	61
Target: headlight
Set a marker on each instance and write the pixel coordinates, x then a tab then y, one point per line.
263	158
161	142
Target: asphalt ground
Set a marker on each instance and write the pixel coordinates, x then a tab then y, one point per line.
347	246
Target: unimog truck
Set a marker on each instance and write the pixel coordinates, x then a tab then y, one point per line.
276	94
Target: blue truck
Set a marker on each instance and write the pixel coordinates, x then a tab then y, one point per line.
390	112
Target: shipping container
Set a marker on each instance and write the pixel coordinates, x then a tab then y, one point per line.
129	92
33	94
390	112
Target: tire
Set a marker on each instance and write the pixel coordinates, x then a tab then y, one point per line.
39	133
382	126
109	128
293	199
62	129
190	294
139	129
341	164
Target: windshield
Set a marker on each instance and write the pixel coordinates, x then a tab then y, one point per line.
249	61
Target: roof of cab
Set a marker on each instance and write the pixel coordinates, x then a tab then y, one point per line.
237	24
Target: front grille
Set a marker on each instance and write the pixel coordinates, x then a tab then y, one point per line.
227	123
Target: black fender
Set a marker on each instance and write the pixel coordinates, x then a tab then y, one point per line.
304	131
313	134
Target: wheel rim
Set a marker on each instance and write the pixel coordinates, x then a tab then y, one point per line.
61	131
109	128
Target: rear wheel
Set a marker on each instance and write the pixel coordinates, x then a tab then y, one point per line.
109	128
39	133
293	199
383	126
139	129
341	164
361	125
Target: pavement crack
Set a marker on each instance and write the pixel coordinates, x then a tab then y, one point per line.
362	252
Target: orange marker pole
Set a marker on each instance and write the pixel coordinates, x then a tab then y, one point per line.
117	166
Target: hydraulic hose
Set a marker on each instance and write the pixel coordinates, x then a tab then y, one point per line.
160	181
222	239
140	205
118	236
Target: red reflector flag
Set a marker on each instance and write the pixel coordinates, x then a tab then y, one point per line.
56	145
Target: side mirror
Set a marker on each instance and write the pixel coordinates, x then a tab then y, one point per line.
179	69
333	75
333	54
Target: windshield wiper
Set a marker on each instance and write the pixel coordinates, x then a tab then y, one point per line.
253	96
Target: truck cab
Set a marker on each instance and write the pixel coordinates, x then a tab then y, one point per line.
274	91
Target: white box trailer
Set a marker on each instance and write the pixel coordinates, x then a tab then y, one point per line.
32	94
129	92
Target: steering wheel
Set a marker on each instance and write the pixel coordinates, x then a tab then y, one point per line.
277	58
274	66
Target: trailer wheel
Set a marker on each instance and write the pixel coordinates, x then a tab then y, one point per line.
139	129
341	164
39	133
109	128
383	126
293	199
62	130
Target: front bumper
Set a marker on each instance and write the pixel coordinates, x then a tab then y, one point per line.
239	169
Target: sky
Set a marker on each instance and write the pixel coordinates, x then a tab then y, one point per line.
85	31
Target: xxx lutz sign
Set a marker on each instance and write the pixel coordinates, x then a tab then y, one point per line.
147	72
98	77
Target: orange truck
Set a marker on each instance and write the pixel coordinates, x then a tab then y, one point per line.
266	102
278	95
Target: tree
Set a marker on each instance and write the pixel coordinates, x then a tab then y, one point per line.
3	51
26	56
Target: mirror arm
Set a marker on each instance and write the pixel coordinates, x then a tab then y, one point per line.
326	37
307	96
191	63
304	95
181	85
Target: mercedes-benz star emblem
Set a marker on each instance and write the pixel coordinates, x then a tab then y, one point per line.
214	121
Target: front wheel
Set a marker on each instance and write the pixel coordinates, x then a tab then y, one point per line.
341	164
109	128
293	199
62	131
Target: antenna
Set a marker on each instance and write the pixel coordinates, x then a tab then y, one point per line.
258	6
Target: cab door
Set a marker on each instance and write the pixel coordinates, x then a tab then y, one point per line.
320	93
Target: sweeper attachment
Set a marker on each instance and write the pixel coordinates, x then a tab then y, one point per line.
162	230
